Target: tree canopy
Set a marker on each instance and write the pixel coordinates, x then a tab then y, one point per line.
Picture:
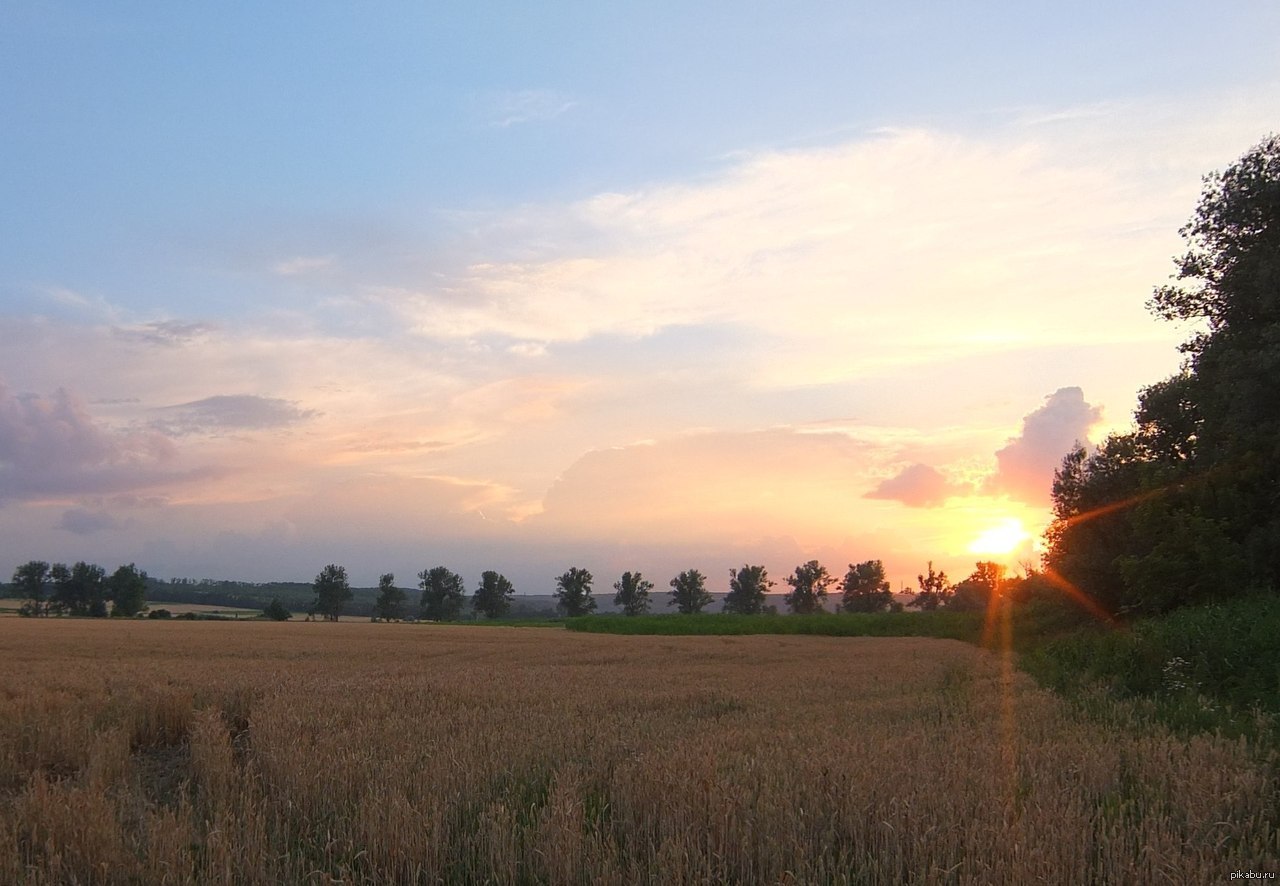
390	602
689	593
809	584
632	593
443	594
573	592
492	598
865	588
748	590
332	592
1186	506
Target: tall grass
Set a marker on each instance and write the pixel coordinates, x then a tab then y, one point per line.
1200	668
254	753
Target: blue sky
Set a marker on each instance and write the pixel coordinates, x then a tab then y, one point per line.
646	286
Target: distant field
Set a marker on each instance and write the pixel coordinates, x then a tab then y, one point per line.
367	753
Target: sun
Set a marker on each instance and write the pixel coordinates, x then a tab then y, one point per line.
1001	539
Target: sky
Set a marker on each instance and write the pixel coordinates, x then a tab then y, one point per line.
642	287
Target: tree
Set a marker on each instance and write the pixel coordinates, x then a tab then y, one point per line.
748	589
632	593
934	590
977	591
443	594
80	590
688	592
31	582
276	611
332	592
390	599
493	597
1186	507
573	592
809	586
865	588
60	578
127	589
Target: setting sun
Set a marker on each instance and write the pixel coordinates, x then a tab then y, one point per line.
1003	538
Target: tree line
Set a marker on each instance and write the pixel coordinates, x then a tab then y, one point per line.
864	588
83	589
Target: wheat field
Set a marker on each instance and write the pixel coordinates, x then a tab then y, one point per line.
153	752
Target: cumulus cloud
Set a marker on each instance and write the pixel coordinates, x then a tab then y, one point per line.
1025	466
237	412
918	486
51	445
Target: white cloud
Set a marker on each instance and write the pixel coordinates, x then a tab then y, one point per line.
1025	466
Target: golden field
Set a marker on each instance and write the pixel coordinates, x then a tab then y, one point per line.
215	752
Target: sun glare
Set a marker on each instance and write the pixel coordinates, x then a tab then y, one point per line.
1001	539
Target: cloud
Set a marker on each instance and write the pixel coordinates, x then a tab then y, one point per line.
526	106
918	486
81	521
1025	466
722	486
164	332
238	412
51	445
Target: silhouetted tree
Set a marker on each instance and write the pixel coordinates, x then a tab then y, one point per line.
390	600
1186	507
934	590
978	590
865	588
80	590
31	582
573	592
493	597
443	594
127	589
632	593
748	589
332	592
809	586
688	592
60	579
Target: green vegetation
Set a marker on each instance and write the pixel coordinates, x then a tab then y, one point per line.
948	625
1208	668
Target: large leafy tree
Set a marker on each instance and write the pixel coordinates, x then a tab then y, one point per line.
573	592
748	590
80	590
32	582
865	588
632	593
809	586
127	589
1186	507
332	592
390	600
443	594
492	598
689	592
